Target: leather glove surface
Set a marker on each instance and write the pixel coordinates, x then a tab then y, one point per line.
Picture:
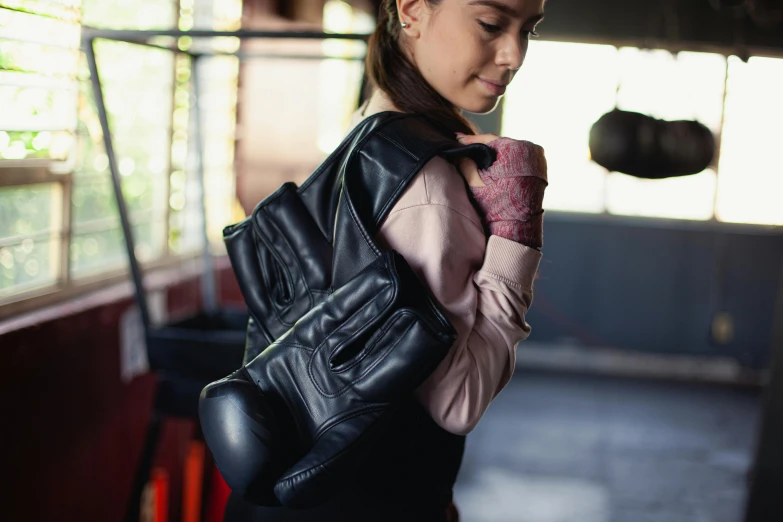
290	426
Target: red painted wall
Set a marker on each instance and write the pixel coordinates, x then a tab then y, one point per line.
70	430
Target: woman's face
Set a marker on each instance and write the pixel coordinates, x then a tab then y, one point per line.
469	50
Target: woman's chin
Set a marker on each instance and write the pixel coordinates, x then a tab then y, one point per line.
482	105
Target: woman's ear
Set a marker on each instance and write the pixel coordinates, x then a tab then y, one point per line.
411	12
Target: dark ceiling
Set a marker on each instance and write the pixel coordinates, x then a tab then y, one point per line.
725	26
675	24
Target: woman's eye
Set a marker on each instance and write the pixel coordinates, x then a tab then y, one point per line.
490	28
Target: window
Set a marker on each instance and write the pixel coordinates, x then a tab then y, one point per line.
30	245
561	90
564	88
59	226
750	185
38	109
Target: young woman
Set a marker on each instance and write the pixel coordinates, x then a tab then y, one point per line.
439	58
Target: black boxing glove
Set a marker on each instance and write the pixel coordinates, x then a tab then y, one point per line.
290	426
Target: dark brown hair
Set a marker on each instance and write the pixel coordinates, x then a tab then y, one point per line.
390	71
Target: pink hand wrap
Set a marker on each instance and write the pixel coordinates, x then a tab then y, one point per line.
514	191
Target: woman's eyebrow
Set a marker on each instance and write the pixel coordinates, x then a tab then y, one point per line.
505	9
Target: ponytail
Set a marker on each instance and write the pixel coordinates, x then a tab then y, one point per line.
390	71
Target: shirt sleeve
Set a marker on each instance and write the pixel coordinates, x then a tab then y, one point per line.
484	288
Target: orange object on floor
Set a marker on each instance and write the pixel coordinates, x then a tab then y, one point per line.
192	482
160	494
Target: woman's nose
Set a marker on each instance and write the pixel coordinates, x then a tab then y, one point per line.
512	53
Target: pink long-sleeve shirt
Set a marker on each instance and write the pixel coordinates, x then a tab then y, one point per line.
483	285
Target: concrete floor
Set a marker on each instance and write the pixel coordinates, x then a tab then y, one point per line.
578	448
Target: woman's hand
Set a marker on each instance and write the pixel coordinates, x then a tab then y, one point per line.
511	191
467	166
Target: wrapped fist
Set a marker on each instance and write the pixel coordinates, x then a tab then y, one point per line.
513	191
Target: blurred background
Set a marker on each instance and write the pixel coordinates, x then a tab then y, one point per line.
647	390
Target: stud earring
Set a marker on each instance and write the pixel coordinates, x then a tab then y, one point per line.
404	25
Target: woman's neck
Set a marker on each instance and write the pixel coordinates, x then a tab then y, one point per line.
379	102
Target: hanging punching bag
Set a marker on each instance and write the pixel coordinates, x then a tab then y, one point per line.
645	147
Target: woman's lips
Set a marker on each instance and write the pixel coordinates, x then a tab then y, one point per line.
494	88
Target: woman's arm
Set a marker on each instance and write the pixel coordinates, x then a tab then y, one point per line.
484	288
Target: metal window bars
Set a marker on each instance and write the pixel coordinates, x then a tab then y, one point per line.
198	350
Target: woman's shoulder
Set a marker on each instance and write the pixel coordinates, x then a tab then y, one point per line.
440	184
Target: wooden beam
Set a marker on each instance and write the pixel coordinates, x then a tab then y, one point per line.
27	173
